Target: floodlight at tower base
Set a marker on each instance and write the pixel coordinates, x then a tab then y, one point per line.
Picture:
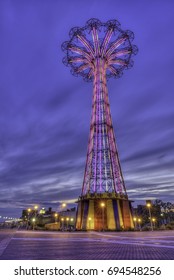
104	211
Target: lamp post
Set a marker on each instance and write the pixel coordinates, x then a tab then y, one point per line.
34	220
103	208
163	220
61	207
55	215
71	224
35	210
135	222
62	223
89	220
153	220
28	215
149	206
60	211
67	220
139	223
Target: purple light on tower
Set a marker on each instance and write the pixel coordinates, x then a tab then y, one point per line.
97	52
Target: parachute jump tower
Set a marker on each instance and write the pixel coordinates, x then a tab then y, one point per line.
97	52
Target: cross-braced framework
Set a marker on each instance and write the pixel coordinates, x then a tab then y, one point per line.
97	52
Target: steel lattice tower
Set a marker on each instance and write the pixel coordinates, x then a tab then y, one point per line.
97	52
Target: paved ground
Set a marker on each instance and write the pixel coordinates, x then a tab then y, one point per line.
29	245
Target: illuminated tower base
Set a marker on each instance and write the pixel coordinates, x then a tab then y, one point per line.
104	211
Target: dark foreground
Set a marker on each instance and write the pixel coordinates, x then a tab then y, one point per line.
35	245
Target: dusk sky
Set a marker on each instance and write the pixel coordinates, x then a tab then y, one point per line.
45	111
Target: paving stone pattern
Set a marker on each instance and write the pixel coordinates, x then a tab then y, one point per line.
31	245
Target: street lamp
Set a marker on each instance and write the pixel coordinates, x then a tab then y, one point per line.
62	221
153	220
135	222
139	222
71	223
33	220
55	215
149	206
28	210
163	219
35	208
89	219
61	206
67	219
103	207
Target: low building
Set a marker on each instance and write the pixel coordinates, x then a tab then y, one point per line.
67	219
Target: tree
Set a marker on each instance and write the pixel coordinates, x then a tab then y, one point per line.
162	212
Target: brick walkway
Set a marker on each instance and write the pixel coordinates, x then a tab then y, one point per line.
29	245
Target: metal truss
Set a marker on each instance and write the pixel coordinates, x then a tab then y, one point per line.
97	52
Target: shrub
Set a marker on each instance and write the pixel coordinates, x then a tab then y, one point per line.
169	226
